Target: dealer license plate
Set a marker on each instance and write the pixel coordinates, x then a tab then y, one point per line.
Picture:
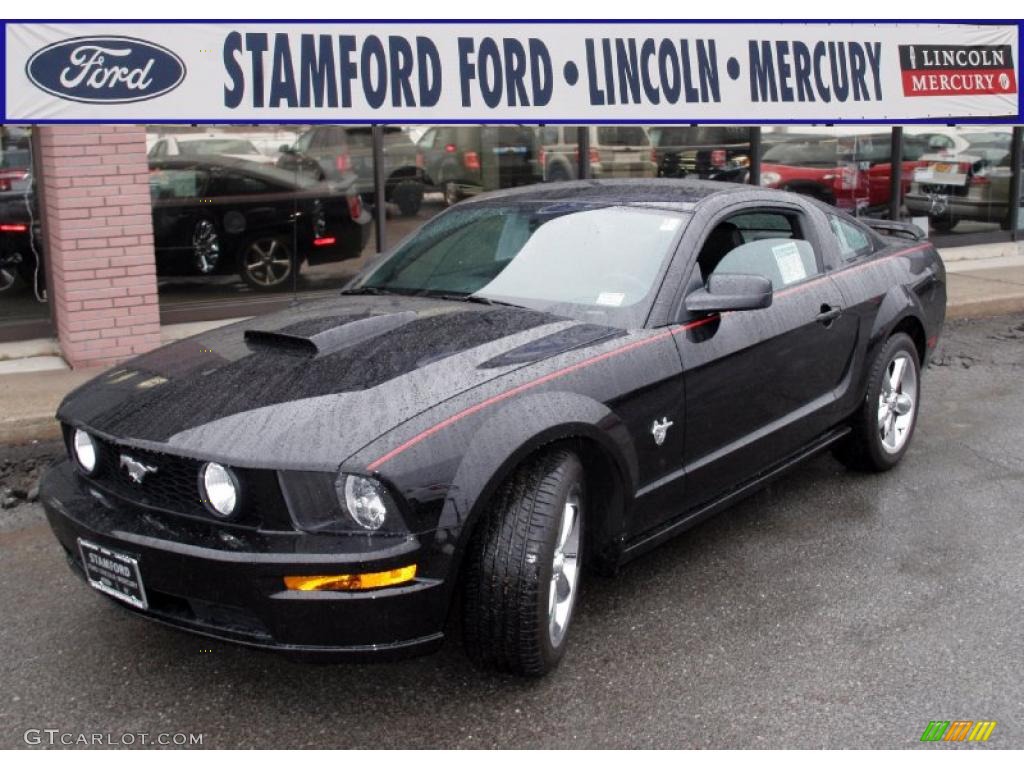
113	573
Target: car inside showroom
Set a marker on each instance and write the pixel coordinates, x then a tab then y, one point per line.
422	385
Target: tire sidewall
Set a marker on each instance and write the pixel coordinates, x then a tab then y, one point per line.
899	342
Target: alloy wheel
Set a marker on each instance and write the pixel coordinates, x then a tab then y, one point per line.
267	262
897	402
564	569
206	246
6	278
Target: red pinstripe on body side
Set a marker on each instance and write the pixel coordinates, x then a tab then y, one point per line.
530	385
441	425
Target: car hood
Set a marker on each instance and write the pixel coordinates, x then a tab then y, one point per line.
310	386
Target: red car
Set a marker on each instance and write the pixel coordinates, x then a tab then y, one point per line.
851	172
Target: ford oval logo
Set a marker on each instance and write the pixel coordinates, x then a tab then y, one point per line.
105	70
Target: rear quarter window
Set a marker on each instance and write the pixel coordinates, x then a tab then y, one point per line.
853	241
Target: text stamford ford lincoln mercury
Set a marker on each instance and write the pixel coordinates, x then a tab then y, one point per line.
537	384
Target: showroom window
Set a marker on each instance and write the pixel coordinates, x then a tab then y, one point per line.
957	181
243	216
23	309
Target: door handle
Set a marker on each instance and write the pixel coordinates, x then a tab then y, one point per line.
828	314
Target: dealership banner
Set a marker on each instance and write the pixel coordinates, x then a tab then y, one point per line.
509	71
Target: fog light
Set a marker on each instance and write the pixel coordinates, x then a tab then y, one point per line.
351	581
85	451
219	489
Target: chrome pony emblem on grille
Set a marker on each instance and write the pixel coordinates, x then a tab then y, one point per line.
660	430
137	471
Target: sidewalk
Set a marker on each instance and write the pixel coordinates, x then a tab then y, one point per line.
981	287
33	379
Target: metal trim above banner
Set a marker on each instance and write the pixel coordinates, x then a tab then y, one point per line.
540	72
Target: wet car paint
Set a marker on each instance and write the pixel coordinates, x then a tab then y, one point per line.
443	423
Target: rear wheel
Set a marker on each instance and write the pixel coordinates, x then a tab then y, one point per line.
266	262
557	173
884	426
408	196
524	567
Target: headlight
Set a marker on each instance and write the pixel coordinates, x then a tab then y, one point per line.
365	500
770	178
219	489
85	451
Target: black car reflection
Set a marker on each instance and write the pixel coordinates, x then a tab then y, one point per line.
217	215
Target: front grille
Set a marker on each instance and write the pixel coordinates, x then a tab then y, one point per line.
174	486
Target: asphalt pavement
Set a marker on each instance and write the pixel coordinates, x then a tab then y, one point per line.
833	609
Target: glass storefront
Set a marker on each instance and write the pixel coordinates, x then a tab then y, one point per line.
22	278
960	185
246	216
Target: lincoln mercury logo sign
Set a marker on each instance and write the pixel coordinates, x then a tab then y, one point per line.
105	70
137	471
952	70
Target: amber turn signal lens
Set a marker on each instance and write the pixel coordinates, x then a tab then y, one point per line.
351	581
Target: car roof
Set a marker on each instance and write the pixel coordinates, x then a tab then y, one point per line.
682	194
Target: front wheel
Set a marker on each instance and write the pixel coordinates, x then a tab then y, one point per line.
266	263
943	224
883	427
523	573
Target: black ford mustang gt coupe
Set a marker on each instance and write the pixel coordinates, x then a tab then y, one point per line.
536	381
220	215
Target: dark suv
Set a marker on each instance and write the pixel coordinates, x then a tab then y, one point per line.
464	160
330	152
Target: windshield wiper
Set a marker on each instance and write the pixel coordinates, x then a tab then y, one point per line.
368	290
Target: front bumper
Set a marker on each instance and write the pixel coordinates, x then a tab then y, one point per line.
227	583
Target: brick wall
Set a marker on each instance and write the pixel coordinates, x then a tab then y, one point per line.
98	231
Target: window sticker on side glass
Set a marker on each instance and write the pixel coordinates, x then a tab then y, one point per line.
791	266
610	299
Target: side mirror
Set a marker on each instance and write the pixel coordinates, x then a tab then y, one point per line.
731	293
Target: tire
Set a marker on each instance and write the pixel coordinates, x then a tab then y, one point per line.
943	224
522	556
882	429
557	173
408	196
266	262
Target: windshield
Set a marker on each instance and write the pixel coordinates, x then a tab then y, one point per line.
598	263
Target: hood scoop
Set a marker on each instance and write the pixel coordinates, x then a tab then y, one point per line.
325	335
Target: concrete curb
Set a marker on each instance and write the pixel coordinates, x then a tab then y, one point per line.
1002	305
28	428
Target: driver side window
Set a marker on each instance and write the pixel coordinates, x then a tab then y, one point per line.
759	242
